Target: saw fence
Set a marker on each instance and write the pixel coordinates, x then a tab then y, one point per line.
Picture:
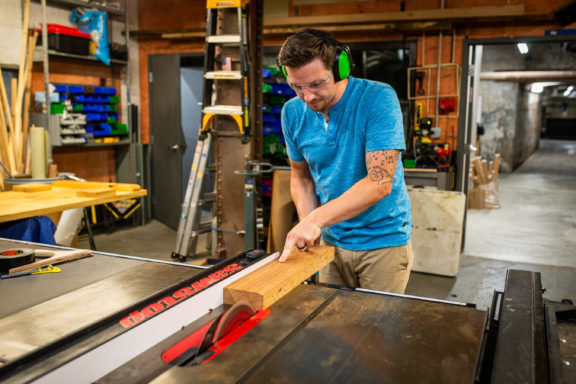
484	175
14	129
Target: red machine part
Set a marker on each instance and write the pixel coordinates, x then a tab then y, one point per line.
231	326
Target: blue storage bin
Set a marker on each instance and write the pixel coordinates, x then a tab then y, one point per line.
266	73
268	118
105	91
74	89
96	116
61	88
282	89
268	129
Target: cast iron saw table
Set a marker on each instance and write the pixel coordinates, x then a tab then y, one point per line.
116	319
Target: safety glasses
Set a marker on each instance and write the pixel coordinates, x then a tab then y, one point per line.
312	86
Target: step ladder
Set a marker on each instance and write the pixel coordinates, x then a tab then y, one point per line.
190	225
239	113
196	197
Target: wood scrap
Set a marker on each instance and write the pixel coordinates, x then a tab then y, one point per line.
484	176
271	282
122	187
6	154
496	166
56	257
32	187
13	97
17	127
27	96
96	192
482	173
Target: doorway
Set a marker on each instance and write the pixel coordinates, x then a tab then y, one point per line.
512	89
175	86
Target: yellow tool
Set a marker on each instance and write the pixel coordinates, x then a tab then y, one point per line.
48	269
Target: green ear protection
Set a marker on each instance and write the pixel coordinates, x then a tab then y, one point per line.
342	62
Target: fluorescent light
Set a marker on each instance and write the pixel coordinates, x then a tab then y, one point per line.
523	48
568	91
537	88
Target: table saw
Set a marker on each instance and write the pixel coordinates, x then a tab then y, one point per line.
121	319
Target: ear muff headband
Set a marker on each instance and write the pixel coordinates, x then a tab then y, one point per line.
342	62
341	67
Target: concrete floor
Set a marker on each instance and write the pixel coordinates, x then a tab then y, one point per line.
535	229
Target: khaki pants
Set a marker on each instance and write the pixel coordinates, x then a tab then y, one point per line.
384	269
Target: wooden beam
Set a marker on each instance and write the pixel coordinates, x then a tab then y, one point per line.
528	75
450	14
429	19
271	282
17	127
27	96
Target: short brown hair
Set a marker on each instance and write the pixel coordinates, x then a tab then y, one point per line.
306	45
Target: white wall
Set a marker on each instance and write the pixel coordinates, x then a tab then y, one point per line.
10	33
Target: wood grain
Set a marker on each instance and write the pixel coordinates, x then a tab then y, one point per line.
20	205
96	192
271	282
93	185
32	187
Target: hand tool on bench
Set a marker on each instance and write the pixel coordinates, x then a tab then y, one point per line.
54	257
48	269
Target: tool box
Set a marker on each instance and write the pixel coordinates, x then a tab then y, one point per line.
66	39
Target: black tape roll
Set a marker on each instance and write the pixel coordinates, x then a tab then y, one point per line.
12	258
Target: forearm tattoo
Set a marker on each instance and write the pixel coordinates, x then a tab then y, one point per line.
381	166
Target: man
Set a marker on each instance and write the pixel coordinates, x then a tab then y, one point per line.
343	137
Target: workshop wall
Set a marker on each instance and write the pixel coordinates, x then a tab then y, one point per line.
511	114
96	164
180	16
529	126
155	20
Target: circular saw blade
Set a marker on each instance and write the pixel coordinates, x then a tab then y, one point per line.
238	313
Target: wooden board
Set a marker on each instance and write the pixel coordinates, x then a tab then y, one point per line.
96	185
271	282
96	193
55	257
32	187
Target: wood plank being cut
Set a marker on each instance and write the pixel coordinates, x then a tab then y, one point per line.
271	282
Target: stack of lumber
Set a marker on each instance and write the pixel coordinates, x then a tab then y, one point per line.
14	129
484	174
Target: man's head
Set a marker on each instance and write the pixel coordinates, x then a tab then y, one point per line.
308	60
308	44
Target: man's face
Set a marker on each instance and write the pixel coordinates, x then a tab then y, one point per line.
314	84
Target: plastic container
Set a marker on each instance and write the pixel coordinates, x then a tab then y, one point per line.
57	108
66	39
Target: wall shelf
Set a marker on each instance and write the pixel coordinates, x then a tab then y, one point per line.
81	3
38	56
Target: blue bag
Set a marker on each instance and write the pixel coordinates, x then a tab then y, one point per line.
94	23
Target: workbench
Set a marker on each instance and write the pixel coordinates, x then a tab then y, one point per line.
15	205
112	318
